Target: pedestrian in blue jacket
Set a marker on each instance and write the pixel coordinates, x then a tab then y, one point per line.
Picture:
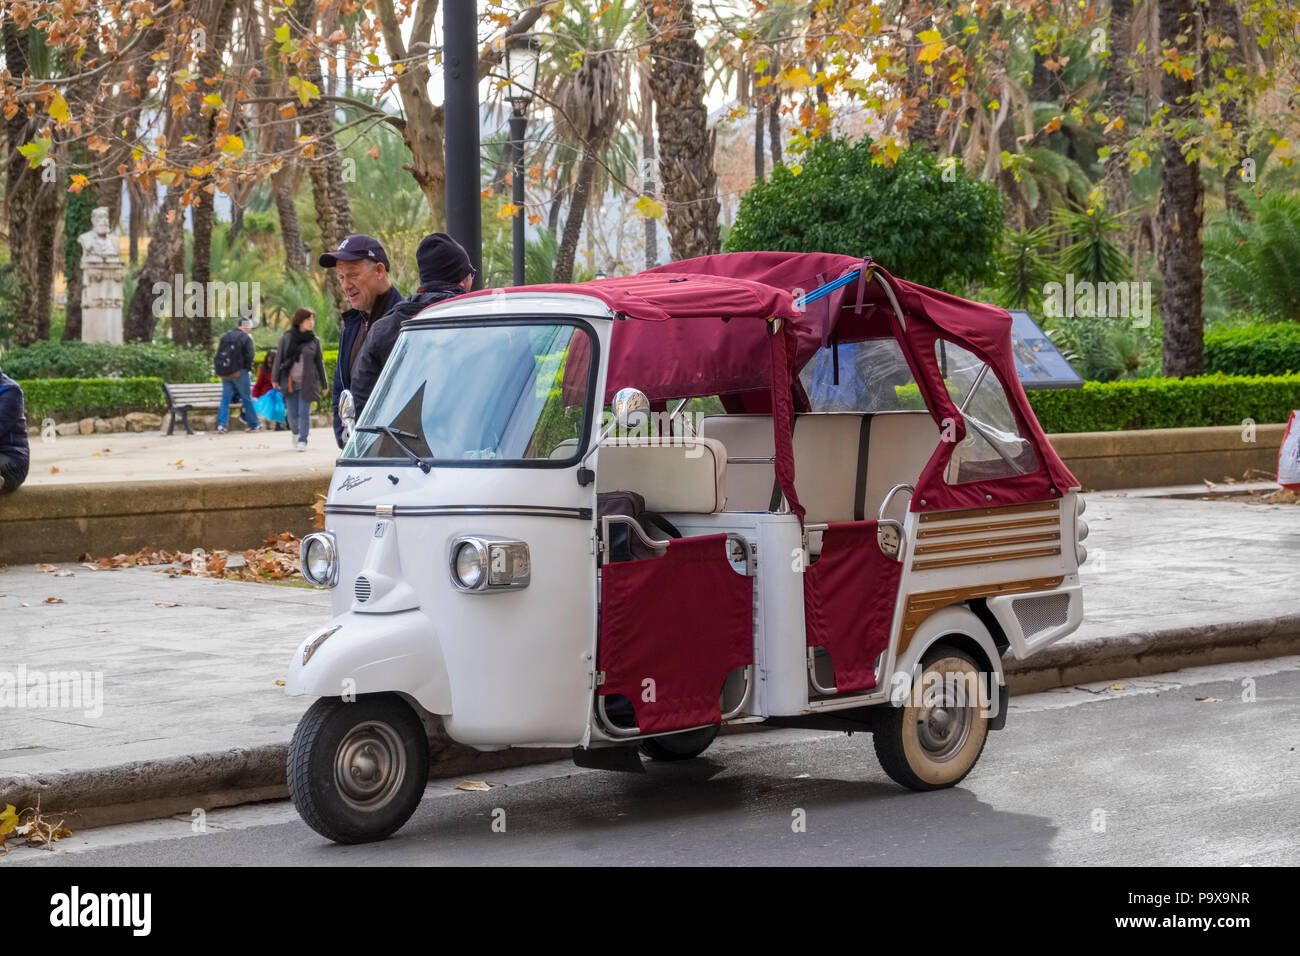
14	451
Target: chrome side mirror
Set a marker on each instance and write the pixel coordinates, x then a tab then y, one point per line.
631	408
347	413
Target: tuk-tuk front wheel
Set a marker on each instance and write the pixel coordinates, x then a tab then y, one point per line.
357	770
935	739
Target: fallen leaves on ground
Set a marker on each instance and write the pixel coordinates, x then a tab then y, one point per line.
473	785
54	600
275	560
1210	700
39	829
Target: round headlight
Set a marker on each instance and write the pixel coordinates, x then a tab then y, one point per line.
469	566
318	560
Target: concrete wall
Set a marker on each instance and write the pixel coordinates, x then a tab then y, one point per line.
1168	456
62	522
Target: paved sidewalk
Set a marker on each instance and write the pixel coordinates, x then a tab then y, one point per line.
189	665
138	456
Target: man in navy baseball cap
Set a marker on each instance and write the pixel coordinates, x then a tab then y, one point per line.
353	248
362	267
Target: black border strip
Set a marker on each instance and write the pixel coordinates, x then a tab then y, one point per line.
538	511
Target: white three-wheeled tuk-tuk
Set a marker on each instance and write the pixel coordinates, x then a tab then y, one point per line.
851	516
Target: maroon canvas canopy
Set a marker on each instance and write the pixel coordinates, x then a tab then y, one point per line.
702	327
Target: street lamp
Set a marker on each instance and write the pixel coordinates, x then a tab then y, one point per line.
522	55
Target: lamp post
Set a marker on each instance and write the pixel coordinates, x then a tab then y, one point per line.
522	54
461	118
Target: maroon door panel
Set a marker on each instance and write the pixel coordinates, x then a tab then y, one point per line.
672	629
849	595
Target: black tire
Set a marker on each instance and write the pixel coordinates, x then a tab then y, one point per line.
379	733
682	746
909	747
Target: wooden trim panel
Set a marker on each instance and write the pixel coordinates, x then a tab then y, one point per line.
940	546
933	563
1036	506
1051	521
922	604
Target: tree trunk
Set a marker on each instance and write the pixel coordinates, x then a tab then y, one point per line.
573	222
180	321
774	127
39	252
686	142
20	187
295	253
925	128
201	268
1223	15
648	168
329	193
1179	215
157	268
1119	79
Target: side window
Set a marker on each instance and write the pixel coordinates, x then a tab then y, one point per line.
993	446
873	376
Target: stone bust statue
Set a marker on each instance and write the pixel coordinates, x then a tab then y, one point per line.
97	245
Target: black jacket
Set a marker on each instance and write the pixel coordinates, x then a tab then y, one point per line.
383	336
13	432
350	322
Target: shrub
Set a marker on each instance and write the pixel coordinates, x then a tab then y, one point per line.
1251	261
1167	403
67	398
919	227
102	360
1272	349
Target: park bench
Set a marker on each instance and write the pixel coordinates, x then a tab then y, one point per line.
181	397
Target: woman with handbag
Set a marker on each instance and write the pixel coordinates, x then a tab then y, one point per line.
299	373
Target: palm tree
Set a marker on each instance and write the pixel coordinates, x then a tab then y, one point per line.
686	141
589	108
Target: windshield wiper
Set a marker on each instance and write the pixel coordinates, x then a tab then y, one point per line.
393	433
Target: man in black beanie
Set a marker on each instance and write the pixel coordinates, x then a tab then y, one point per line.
445	271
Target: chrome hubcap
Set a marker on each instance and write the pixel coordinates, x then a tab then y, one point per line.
369	765
944	725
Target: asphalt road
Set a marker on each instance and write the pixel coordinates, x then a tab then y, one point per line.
1138	773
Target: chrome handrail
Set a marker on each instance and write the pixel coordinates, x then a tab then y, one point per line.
880	515
812	675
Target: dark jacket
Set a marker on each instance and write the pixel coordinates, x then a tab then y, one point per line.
313	368
245	346
14	452
351	321
383	336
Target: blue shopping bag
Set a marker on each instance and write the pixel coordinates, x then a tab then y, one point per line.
270	406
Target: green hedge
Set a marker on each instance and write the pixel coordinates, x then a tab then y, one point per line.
1167	403
102	360
64	399
1272	349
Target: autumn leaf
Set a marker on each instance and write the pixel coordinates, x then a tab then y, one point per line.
534	219
306	90
507	210
649	209
97	143
933	41
473	785
288	111
337	37
373	151
795	78
59	108
230	144
37	151
213	100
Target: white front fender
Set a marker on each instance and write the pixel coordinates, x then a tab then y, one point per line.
373	653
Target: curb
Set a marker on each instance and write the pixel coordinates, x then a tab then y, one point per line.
148	789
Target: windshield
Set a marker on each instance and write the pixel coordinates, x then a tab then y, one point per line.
469	392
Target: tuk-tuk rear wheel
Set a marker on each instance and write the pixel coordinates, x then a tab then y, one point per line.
682	746
357	770
930	745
